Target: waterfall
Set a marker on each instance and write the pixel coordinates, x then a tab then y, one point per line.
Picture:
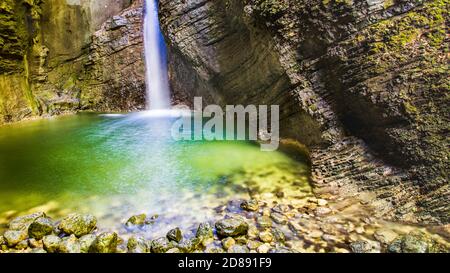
158	93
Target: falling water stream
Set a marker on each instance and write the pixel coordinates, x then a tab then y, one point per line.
158	94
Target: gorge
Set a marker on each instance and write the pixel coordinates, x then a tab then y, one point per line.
362	87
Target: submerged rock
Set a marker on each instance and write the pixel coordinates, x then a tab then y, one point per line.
360	247
228	242
13	237
264	222
51	243
105	243
138	245
78	224
86	242
136	221
189	245
175	235
160	245
415	243
23	222
251	205
204	231
70	245
238	249
231	227
40	227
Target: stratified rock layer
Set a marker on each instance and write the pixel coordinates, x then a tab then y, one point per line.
362	83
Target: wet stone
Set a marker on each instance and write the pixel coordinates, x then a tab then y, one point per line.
231	227
264	222
279	218
78	224
228	242
138	245
238	249
40	227
86	242
23	222
70	245
204	231
105	243
250	205
136	221
22	245
360	247
13	237
266	236
160	245
175	235
51	243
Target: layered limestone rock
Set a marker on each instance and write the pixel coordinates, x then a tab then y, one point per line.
362	83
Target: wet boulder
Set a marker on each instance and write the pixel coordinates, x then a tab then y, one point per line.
138	245
105	243
51	243
175	235
70	244
204	231
13	237
136	221
40	227
78	224
250	205
23	222
410	243
160	245
231	227
86	242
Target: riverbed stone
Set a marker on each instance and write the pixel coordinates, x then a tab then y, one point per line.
105	243
160	245
279	218
86	242
266	236
70	245
264	248
228	243
136	221
204	231
40	227
189	245
360	247
38	250
385	236
78	224
23	222
231	227
13	237
253	245
175	235
33	243
409	243
238	249
264	222
174	250
250	205
278	235
138	245
51	243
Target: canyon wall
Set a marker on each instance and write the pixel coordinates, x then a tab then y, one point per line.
70	55
363	83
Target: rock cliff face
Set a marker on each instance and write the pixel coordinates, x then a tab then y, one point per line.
69	55
363	83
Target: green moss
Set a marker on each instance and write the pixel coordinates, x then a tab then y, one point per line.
270	8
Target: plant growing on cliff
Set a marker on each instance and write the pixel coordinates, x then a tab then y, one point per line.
269	8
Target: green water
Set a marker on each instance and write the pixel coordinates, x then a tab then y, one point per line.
127	164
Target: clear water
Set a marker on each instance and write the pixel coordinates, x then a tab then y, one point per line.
115	166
